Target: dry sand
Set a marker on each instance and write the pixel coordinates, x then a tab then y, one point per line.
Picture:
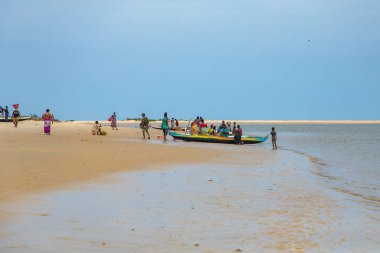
32	161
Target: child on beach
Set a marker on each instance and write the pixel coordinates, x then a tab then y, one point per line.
96	128
274	138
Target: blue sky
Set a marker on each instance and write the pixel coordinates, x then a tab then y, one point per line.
85	59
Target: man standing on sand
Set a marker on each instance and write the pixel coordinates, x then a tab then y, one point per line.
15	117
6	113
1	111
144	125
274	138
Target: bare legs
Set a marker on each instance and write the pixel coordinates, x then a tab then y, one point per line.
145	130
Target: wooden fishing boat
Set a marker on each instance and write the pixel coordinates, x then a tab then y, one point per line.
11	120
219	139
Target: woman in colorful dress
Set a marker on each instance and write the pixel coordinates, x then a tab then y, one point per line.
48	119
165	125
113	121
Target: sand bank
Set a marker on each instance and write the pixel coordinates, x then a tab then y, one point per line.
32	161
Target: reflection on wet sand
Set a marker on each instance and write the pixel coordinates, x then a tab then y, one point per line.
272	207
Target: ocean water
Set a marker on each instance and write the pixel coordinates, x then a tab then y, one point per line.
347	157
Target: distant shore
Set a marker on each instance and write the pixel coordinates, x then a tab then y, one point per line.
264	122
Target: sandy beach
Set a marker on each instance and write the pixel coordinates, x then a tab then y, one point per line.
74	192
32	161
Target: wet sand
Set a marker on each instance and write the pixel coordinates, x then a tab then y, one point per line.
223	207
201	198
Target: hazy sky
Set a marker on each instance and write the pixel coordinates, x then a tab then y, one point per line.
85	59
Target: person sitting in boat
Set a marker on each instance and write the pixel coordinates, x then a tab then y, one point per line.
194	128
229	126
211	130
234	128
238	135
203	128
223	130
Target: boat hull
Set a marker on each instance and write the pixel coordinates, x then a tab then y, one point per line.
172	129
218	139
11	120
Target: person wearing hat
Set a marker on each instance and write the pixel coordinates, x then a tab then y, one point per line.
144	125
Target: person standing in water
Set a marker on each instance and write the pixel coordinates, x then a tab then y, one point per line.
144	125
16	116
165	125
274	138
238	135
48	119
113	121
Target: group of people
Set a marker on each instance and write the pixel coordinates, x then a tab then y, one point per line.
47	117
174	124
4	112
97	129
15	114
199	127
144	125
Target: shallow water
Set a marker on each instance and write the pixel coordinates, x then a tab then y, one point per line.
347	155
306	197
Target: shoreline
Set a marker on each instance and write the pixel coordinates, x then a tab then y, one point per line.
33	162
263	122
